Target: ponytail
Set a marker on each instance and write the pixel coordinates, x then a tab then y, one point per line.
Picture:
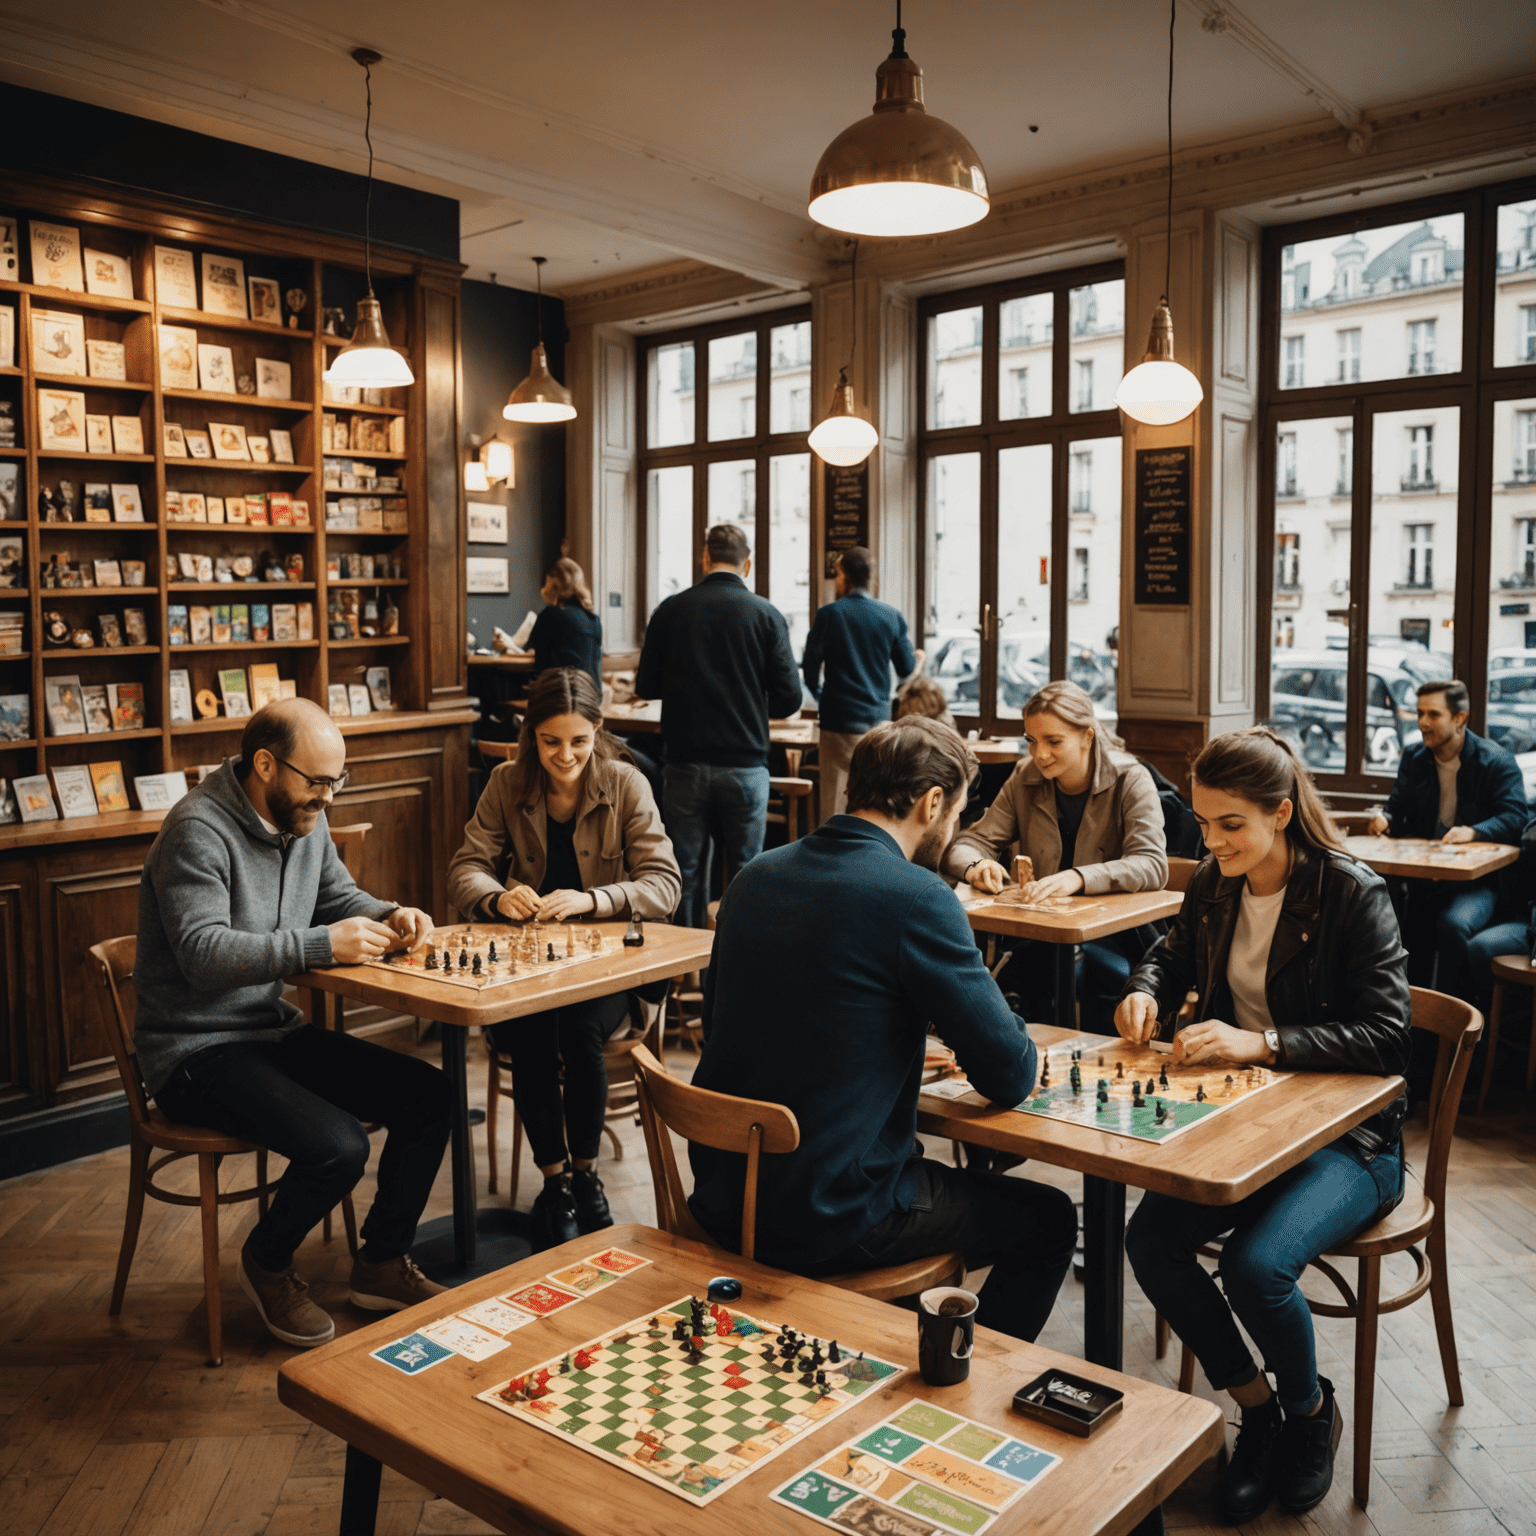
1260	765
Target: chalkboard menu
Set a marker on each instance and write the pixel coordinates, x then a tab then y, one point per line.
1162	526
847	504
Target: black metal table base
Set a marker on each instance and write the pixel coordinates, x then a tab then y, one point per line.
360	1494
502	1237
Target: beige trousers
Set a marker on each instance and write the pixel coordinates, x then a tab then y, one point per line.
834	753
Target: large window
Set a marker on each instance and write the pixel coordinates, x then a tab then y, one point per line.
1401	505
733	452
1020	492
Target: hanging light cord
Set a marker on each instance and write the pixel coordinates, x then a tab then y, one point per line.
368	196
538	272
853	303
898	37
1173	10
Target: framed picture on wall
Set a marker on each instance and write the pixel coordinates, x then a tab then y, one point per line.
487	522
487	573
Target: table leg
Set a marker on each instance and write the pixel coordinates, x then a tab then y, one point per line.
1066	986
360	1493
456	1070
1103	1271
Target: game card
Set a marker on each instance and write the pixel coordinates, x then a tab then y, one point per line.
496	1316
583	1278
540	1299
617	1262
464	1338
413	1354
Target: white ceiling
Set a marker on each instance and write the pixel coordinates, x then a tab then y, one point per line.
612	136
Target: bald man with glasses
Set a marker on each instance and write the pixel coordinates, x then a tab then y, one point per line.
243	887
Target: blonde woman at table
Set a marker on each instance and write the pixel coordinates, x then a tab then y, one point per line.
1294	954
565	831
1087	813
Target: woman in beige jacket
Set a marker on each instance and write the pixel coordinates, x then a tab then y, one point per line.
565	831
1087	813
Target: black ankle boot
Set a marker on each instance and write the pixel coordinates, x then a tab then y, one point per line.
592	1213
554	1212
1248	1483
1304	1465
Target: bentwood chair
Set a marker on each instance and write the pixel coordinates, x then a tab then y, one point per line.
753	1127
1416	1227
1180	871
1508	971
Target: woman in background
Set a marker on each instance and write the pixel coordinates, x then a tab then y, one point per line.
567	633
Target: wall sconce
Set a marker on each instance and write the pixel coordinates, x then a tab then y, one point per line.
493	463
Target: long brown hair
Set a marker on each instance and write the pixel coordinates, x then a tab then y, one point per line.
559	691
1260	765
570	584
1072	706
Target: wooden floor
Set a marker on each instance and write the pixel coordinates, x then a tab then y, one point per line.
112	1426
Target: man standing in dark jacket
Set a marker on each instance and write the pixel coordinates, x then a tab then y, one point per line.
832	955
718	658
857	639
1461	788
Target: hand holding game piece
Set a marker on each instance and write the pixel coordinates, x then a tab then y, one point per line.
1065	882
1136	1018
518	904
987	876
412	925
356	939
1214	1041
559	905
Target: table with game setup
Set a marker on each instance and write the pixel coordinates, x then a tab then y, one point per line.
481	974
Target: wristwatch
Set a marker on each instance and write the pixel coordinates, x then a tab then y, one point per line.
1272	1040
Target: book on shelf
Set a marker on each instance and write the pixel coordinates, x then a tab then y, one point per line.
34	799
106	360
194	507
379	688
108	276
285	623
127	700
160	791
178	356
66	711
111	791
357	699
133	573
306	620
280	509
256	509
265	684
135	628
76	795
288	688
300	512
108	573
127	434
215	508
340	703
8	812
15	717
61	420
176	624
224	285
98	434
223	624
13	633
98	708
111	634
56	256
261	622
175	278
239	623
232	686
180	696
58	342
201	622
126	505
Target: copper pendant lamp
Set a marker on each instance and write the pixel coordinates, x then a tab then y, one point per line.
541	396
842	437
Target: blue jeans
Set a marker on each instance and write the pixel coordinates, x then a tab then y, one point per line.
1502	939
1441	919
1273	1234
699	799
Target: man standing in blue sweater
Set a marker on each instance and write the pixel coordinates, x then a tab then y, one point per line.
856	641
831	957
243	887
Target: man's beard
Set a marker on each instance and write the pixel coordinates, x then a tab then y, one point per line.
294	815
929	853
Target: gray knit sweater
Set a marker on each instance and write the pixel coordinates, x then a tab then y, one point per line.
225	912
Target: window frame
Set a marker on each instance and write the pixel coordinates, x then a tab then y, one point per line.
995	433
762	446
1474	388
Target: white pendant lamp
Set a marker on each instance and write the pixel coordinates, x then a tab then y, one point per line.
368	361
899	171
1158	391
843	437
541	396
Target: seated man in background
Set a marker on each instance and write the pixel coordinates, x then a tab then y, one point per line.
243	887
1461	788
831	957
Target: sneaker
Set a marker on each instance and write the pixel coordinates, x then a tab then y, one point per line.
390	1286
1304	1465
554	1212
1248	1480
285	1306
592	1213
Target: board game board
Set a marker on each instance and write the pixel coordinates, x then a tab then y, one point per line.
692	1415
486	955
1186	1094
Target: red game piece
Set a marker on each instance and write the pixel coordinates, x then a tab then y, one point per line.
724	1322
584	1358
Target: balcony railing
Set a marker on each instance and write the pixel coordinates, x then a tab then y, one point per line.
1419	483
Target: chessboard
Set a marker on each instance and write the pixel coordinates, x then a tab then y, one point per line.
1131	1090
691	1399
485	955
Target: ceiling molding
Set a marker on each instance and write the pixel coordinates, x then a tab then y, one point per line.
719	235
670	289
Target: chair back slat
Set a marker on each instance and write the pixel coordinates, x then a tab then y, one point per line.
1179	872
672	1213
348	840
1458	1025
118	1003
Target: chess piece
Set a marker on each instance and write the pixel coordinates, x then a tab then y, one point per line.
570	941
1137	1102
475	968
634	935
1119	1070
1162	1113
1151	1087
550	958
834	1356
1162	1076
431	963
463	959
491	953
1199	1093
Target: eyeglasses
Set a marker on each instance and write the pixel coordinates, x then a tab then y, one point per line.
335	786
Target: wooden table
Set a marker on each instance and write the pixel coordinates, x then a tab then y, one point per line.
667	952
518	1478
1424	858
1085	918
1216	1163
999	749
521	662
645	715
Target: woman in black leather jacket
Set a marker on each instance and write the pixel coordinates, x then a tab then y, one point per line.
1294	953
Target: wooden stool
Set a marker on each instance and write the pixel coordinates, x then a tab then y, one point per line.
752	1126
1512	971
789	796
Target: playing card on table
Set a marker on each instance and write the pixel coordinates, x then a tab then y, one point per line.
617	1262
584	1278
464	1338
497	1316
413	1354
540	1299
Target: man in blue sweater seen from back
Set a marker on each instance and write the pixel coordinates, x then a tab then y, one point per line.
855	642
832	955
